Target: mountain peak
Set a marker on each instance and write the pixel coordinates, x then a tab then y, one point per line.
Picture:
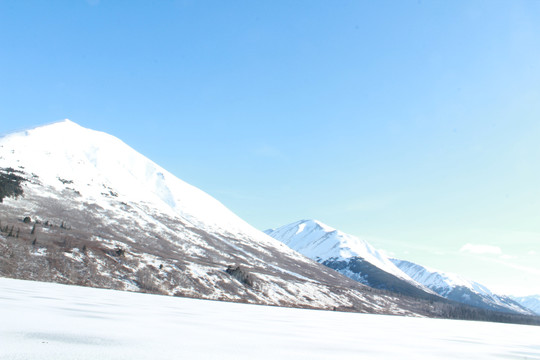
66	123
313	224
64	134
95	163
317	240
91	210
347	254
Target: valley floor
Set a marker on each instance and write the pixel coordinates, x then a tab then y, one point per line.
52	321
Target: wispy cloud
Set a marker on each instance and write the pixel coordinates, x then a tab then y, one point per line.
481	249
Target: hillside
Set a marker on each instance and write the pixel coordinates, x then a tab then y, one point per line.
81	207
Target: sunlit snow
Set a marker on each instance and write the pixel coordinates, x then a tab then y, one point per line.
77	153
52	321
319	241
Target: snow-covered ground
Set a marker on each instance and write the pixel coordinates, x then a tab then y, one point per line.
52	321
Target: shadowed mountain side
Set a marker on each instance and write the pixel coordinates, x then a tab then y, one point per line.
364	272
457	288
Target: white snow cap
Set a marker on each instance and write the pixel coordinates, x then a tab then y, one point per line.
444	281
94	160
321	242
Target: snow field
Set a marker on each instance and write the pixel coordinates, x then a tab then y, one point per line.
52	321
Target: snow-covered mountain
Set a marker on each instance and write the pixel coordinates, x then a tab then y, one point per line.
79	206
531	302
349	255
457	288
360	261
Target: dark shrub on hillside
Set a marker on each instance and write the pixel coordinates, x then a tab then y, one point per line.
240	274
10	183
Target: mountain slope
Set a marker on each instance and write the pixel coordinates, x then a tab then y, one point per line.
457	288
531	302
349	255
360	261
81	207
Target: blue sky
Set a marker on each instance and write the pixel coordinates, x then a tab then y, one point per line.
412	123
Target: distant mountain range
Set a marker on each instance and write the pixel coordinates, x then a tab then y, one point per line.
81	207
457	288
360	261
349	255
78	206
531	302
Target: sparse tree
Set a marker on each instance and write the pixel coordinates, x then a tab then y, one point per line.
145	280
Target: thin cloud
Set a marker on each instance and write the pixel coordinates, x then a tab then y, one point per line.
481	249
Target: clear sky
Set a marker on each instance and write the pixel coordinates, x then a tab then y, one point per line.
415	124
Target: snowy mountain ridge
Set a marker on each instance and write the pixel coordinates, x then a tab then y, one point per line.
78	206
347	254
82	207
81	154
433	278
321	242
457	288
531	302
350	255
